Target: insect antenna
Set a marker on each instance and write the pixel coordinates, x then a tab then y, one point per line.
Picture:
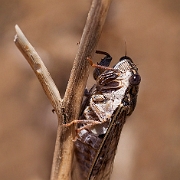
125	49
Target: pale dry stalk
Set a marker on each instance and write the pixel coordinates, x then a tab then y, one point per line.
68	108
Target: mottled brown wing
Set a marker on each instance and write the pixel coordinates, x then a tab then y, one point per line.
103	163
95	154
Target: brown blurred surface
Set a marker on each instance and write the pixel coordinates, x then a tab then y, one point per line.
150	142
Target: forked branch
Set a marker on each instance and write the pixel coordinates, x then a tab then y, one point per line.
68	109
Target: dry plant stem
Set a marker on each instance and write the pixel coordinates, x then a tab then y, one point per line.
39	68
79	75
80	70
68	109
46	81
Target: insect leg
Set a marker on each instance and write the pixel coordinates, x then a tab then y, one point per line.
83	121
99	66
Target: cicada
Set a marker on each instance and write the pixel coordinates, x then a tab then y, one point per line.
111	99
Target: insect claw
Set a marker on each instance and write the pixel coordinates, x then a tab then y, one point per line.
90	61
86	93
75	138
69	124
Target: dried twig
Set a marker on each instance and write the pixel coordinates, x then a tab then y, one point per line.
39	68
76	85
68	109
45	79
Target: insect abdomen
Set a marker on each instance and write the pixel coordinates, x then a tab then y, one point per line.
86	148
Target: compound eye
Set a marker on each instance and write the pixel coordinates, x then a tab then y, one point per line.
135	79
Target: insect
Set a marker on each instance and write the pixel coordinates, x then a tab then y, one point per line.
103	115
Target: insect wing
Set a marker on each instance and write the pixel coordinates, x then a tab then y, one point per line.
110	101
103	163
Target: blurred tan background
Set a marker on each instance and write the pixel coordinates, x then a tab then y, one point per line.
150	142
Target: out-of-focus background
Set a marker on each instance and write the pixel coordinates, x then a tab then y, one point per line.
149	147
